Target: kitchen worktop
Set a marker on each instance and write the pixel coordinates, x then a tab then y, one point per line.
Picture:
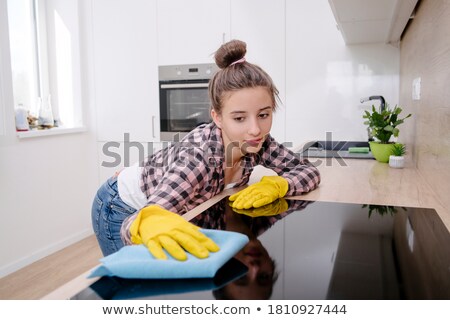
344	181
361	181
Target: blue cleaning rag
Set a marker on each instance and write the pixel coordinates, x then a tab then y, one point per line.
136	262
113	288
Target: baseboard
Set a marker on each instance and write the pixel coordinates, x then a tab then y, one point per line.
21	263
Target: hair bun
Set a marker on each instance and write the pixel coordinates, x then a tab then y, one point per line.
230	52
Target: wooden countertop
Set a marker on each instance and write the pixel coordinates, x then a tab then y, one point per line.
372	182
369	181
359	181
343	180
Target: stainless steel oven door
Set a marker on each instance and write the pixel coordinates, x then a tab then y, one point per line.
183	106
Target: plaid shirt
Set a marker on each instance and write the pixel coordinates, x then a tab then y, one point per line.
187	173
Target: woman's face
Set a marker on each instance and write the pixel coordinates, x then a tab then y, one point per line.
245	119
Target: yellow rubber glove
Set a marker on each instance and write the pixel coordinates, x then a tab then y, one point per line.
271	209
158	228
261	193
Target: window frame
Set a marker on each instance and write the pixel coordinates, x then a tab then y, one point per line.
41	45
45	16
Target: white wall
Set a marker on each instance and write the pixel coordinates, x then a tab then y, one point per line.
325	79
46	183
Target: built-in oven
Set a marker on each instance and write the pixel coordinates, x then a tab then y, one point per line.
183	96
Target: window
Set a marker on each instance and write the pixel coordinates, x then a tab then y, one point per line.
45	58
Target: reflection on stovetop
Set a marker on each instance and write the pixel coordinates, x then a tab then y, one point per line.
314	250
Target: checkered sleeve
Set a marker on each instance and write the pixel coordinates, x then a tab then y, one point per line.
182	182
301	175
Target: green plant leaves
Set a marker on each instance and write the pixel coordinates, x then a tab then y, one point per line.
395	132
398	149
383	125
397	110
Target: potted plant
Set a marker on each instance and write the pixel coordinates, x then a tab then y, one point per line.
383	125
397	159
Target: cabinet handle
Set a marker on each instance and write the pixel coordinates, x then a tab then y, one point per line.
184	85
223	38
153	126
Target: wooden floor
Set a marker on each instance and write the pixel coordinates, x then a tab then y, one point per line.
45	275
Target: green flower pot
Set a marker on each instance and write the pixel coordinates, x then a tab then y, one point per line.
381	151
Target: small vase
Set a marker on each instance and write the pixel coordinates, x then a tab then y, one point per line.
396	161
381	151
45	119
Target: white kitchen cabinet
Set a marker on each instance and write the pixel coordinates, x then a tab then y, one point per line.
125	69
261	24
325	78
191	31
367	21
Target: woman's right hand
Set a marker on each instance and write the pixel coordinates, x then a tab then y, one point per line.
158	228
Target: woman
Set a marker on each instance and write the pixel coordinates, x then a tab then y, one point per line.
144	202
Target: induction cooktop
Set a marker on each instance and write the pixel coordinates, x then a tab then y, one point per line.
313	250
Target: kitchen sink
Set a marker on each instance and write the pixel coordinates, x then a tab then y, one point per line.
334	149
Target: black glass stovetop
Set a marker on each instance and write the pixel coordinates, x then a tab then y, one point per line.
313	250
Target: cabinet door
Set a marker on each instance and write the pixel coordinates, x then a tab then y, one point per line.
125	69
325	78
261	24
191	31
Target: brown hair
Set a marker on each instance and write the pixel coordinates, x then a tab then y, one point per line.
236	75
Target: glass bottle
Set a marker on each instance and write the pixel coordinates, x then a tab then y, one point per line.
21	115
45	119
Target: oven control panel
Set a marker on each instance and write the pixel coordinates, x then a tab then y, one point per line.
187	72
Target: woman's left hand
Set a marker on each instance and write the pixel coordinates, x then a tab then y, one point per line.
261	193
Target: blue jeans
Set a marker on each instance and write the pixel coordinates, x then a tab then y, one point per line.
108	213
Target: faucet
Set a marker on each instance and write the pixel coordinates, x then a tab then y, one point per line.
382	101
382	107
